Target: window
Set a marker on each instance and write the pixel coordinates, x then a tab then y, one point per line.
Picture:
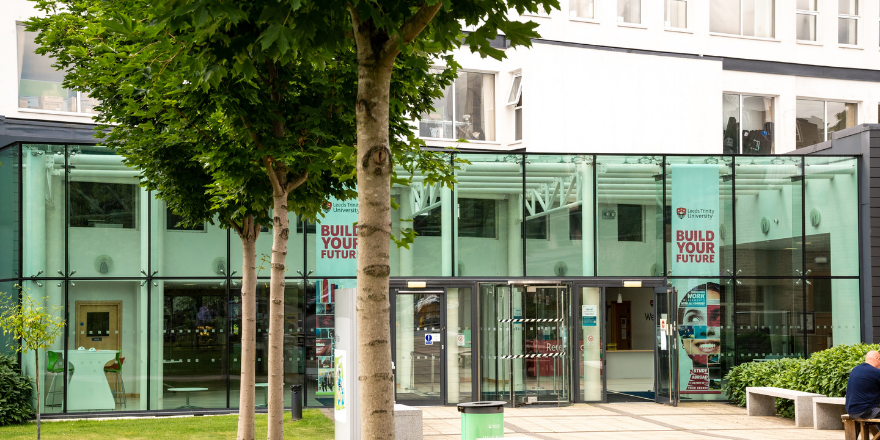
515	99
476	218
581	9
807	17
676	14
429	224
747	123
629	222
103	205
752	18
466	110
172	220
575	227
816	120
629	11
39	84
847	22
310	227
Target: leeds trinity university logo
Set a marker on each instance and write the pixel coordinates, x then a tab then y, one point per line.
681	212
327	206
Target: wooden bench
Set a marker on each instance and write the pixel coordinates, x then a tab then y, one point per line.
761	401
827	412
854	427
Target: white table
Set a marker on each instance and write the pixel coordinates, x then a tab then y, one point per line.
187	391
89	389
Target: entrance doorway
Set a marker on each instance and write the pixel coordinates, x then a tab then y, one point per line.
98	325
524	339
630	347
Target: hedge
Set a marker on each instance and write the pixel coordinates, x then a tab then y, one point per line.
825	372
15	393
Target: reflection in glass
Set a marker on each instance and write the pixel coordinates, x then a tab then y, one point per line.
629	182
422	208
833	313
418	363
194	359
581	8
494	300
558	236
459	337
847	31
759	18
43	210
757	125
769	319
469	113
841	115
832	224
768	216
676	14
9	215
629	11
806	27
730	106
809	122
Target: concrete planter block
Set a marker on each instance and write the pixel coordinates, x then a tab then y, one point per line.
407	422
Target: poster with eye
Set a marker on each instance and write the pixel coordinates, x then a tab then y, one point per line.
695	253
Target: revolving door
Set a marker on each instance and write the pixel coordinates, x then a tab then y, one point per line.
525	354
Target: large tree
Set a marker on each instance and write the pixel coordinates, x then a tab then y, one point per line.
225	118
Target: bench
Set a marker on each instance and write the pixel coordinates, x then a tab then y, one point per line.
853	427
407	422
827	412
761	401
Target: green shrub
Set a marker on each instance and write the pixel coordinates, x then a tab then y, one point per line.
15	393
825	372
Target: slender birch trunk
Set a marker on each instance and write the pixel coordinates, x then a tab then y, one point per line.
39	396
248	232
376	381
280	233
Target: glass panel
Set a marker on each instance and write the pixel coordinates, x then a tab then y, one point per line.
475	106
768	216
633	183
194	362
495	342
459	345
769	320
87	104
108	345
438	122
52	393
518	121
848	7
581	8
724	16
758	18
809	122
832	314
10	226
841	115
43	210
847	31
664	382
730	123
428	210
629	11
806	27
676	14
557	190
832	234
686	176
757	125
320	331
513	97
8	296
806	5
544	342
706	332
489	180
39	84
294	342
107	212
419	370
590	358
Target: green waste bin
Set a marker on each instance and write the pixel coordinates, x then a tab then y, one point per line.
482	420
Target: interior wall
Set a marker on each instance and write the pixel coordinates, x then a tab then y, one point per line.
641	300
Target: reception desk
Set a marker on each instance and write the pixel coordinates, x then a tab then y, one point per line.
88	388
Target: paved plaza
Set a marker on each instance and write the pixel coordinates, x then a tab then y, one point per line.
697	421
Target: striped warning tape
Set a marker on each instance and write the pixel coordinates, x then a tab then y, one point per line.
515	320
533	355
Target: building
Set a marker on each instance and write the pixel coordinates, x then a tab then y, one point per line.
599	213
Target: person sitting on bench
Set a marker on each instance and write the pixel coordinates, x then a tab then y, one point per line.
863	388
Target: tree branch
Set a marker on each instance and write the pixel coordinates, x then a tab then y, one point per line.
412	28
268	163
297	181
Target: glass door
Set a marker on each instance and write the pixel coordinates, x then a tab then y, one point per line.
666	347
419	349
540	349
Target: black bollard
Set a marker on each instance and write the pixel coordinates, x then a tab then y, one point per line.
296	407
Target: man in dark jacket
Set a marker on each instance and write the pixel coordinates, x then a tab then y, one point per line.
863	388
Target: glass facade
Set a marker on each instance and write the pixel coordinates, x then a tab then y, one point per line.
778	269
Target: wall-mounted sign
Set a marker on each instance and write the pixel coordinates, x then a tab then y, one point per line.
431	338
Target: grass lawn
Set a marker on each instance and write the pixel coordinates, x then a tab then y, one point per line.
313	426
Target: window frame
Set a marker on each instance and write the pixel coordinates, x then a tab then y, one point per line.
741	33
452	104
516	102
824	114
813	13
739	120
687	16
858	27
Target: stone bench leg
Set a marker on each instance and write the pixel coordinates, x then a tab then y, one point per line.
827	416
803	411
760	405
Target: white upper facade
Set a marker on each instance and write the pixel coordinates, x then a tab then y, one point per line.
580	90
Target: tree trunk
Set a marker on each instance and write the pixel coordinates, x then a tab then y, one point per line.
376	380
248	234
280	233
39	396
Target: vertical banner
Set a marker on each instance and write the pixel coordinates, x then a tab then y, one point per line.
336	239
695	253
